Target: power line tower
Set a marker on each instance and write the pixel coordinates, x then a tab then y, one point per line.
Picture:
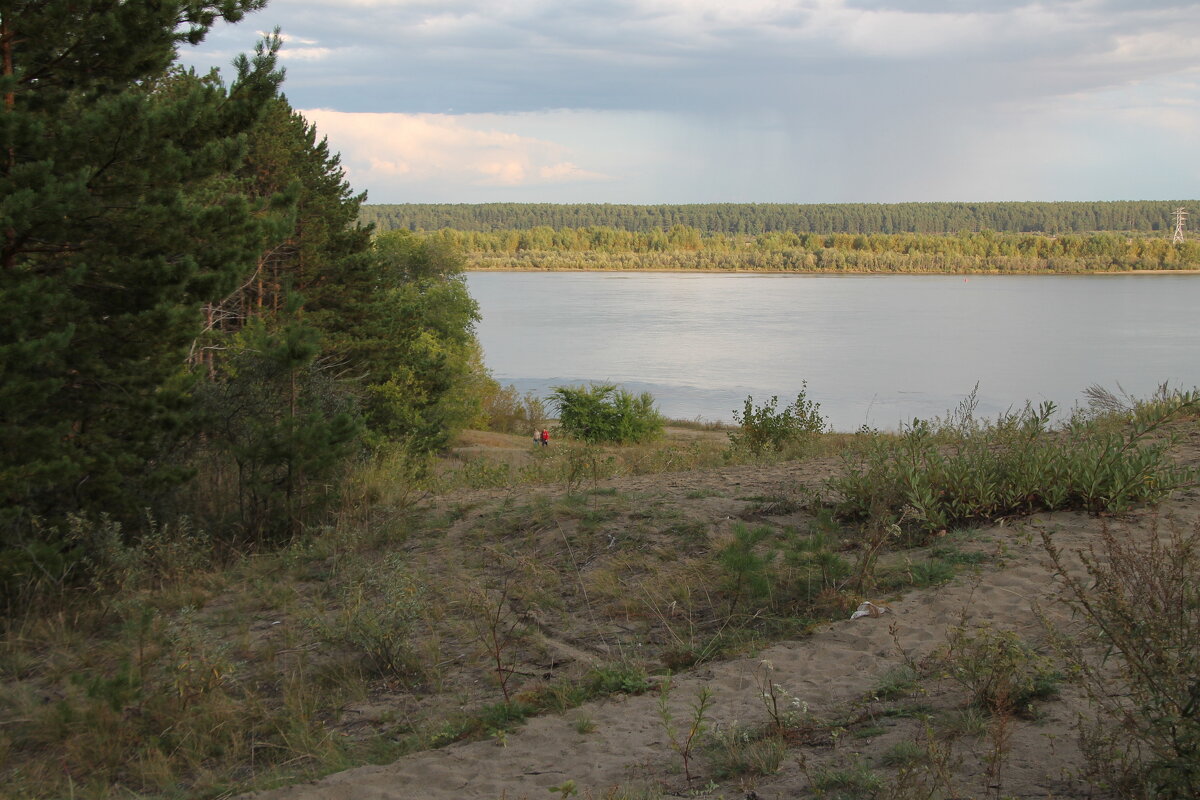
1180	217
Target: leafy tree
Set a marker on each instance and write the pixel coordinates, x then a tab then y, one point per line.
416	346
114	229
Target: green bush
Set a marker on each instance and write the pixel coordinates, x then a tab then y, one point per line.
765	427
603	413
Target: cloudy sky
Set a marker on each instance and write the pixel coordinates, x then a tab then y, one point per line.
678	101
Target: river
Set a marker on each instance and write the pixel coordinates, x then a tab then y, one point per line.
875	350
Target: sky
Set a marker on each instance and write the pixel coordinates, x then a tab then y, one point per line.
773	101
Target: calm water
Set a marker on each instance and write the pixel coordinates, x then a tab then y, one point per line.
875	350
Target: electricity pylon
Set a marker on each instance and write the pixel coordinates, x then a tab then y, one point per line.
1180	218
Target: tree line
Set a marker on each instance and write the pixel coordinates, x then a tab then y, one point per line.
194	323
759	218
683	247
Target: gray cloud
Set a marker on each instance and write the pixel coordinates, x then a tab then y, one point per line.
922	99
478	56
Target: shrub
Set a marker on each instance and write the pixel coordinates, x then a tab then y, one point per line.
603	413
509	411
377	615
1142	600
764	427
1002	673
746	573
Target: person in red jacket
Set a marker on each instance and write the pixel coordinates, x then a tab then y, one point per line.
545	437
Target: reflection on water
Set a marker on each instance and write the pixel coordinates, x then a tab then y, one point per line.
874	350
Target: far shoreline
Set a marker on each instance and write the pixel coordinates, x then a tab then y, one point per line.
833	273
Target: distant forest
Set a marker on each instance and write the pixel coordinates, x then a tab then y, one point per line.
1141	216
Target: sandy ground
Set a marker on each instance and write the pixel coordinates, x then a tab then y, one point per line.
832	672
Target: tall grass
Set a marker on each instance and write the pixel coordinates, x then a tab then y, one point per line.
941	474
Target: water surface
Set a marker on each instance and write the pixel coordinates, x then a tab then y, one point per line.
874	350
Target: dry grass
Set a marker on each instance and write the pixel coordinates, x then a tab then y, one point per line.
354	644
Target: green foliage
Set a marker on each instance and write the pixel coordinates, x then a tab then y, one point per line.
897	682
685	741
289	428
1003	674
116	227
930	572
534	225
616	679
903	754
904	237
1141	599
745	566
735	750
375	614
604	414
931	477
852	782
764	427
417	345
508	411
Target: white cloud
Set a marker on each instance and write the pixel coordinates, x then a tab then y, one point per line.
305	53
381	148
287	38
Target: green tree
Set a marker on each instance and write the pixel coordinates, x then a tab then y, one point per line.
114	229
415	344
276	411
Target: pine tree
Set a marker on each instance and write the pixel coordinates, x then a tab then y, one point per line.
114	228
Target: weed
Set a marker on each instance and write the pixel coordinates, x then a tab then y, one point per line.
1142	600
376	615
616	679
931	572
734	750
496	628
851	782
765	428
684	743
1003	674
584	724
934	476
902	754
628	793
899	681
785	710
951	554
925	768
971	722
